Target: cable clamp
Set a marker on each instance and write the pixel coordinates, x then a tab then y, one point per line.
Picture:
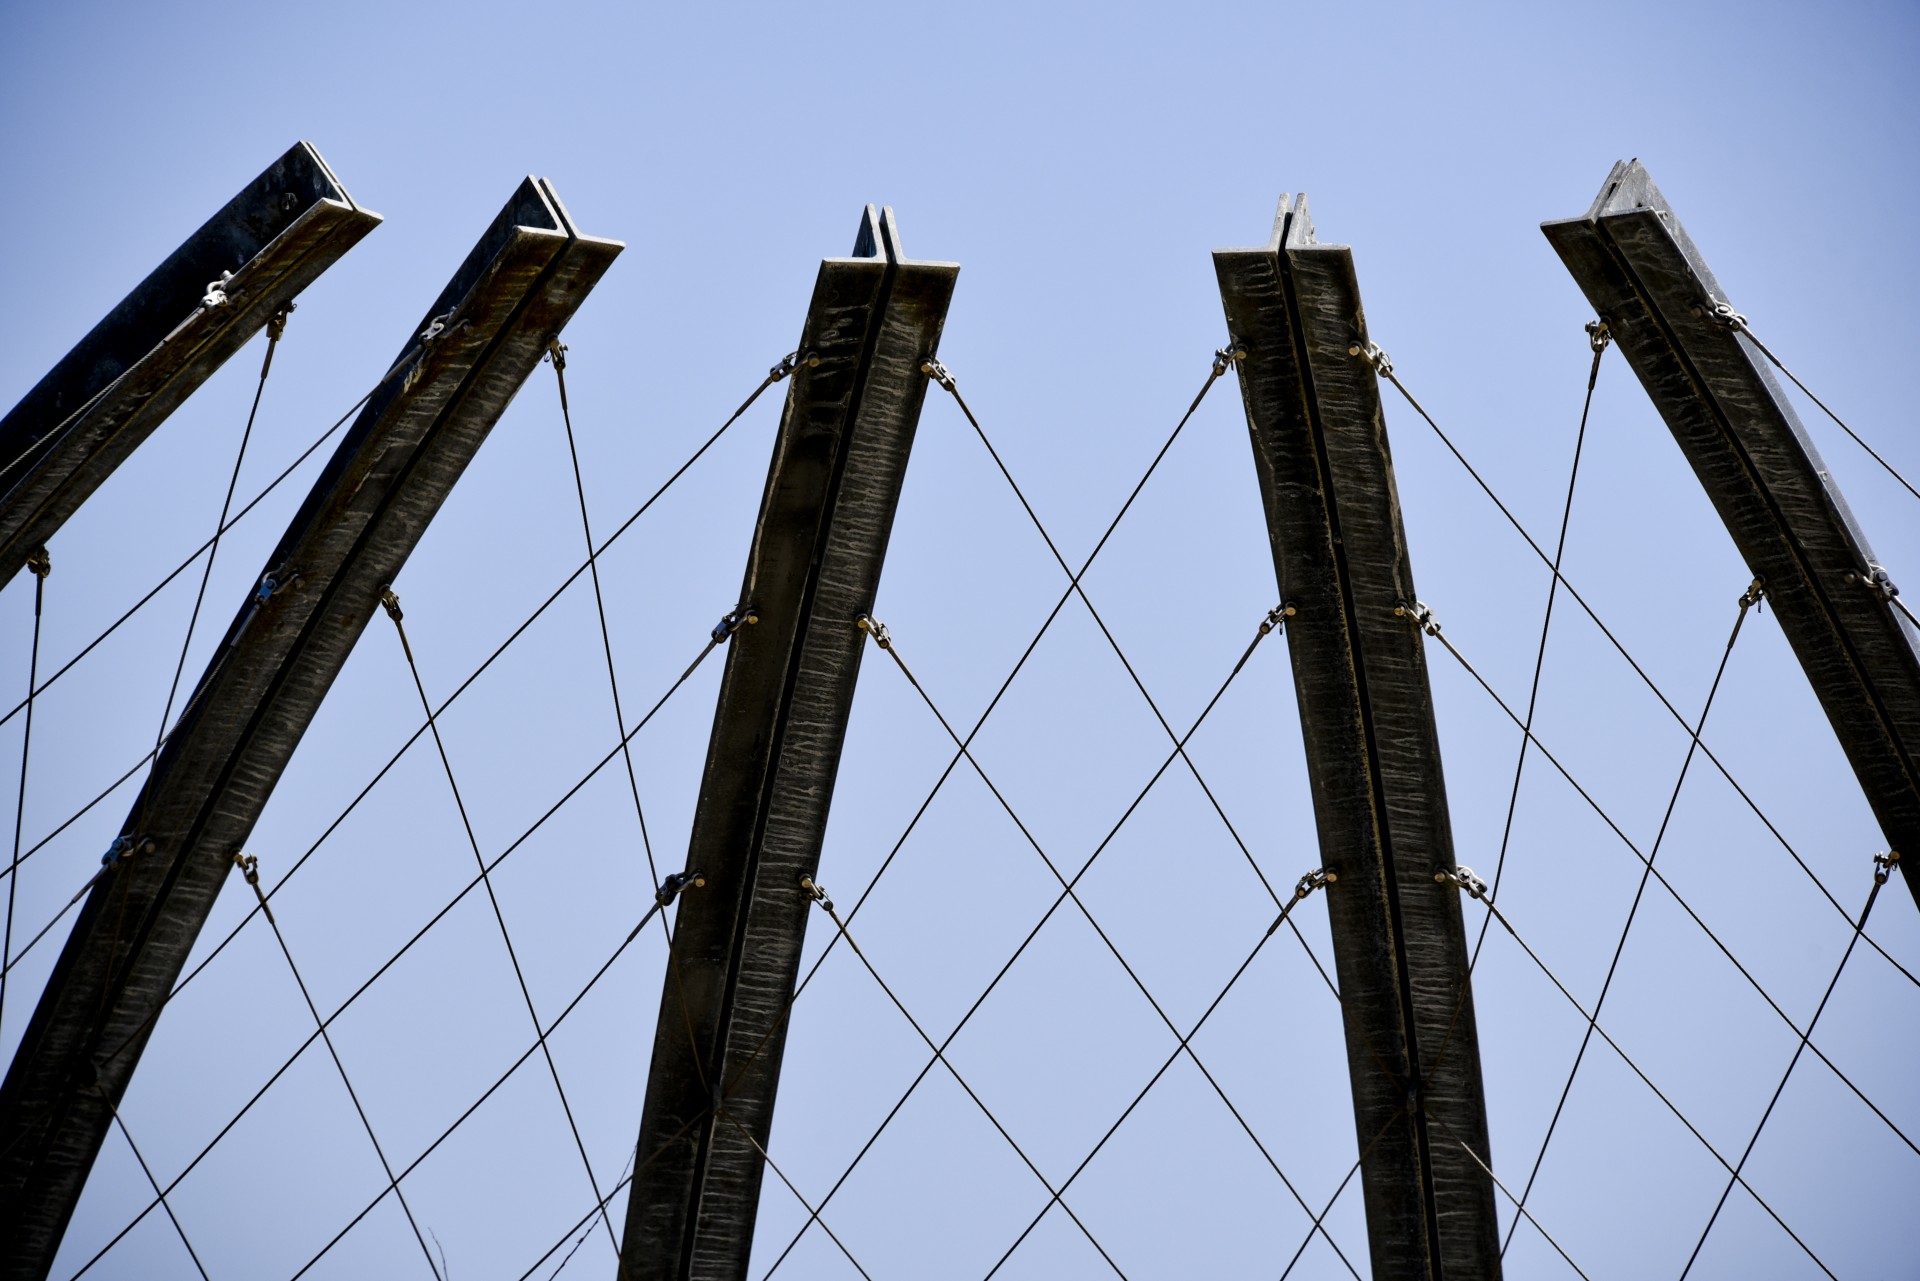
1422	616
876	629
39	563
391	603
1232	354
1877	581
1371	353
557	353
1883	866
1463	879
1756	594
125	847
249	866
1276	618
1599	334
671	888
813	892
933	369
217	291
435	327
732	621
791	361
1721	313
277	325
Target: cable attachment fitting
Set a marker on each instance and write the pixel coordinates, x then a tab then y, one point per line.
1721	313
876	629
1599	334
1422	616
791	361
813	892
277	325
1756	594
1318	879
933	369
1276	618
1877	581
732	621
249	866
125	847
1463	879
435	327
1883	866
39	563
671	888
217	291
1371	353
1232	354
391	603
557	353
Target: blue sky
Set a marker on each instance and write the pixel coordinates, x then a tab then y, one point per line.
1080	162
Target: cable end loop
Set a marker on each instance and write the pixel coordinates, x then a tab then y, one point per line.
678	883
876	629
1232	354
1276	618
1755	595
813	892
1463	879
391	603
1373	355
938	372
39	563
1421	616
557	353
732	621
1883	866
1599	334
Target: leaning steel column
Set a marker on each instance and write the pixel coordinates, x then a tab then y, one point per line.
1373	755
814	568
1711	383
179	325
423	424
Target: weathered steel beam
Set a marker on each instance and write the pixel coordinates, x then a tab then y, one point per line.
201	305
1373	753
1739	431
814	568
477	344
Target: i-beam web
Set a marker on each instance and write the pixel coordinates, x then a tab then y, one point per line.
1308	376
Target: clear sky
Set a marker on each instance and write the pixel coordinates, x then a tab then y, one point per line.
1080	161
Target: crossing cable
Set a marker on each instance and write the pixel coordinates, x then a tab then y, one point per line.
1883	865
1517	1204
400	366
263	907
391	603
817	894
41	565
1307	884
1738	323
1599	336
250	868
1222	361
671	889
1424	616
777	373
1325	1210
1474	888
1753	596
147	1170
1273	619
814	1214
276	328
1385	370
885	640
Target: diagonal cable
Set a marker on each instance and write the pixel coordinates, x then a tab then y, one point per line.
1518	1204
1905	484
1597	338
1634	663
1477	890
1747	601
154	1183
1879	878
392	604
41	566
1433	629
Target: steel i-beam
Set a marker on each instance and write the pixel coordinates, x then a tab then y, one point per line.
478	343
1832	598
1373	754
814	568
201	305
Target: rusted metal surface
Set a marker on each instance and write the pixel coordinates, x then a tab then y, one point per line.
422	426
1373	755
1712	385
814	568
201	305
